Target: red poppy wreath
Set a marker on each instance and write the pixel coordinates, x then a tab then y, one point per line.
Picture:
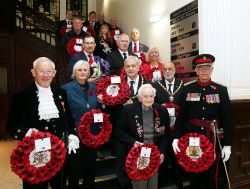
195	159
35	167
142	168
84	131
113	93
73	47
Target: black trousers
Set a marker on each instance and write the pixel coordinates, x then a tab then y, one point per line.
56	182
82	165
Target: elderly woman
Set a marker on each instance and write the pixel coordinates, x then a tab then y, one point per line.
152	120
39	107
82	98
153	65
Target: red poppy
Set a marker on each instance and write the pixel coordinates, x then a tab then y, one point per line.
28	171
133	161
91	92
85	135
198	164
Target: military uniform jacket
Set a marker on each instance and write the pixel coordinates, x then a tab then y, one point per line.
209	101
162	95
131	121
24	113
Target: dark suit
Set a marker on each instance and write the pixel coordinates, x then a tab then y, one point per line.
142	48
162	96
83	163
116	62
58	25
96	27
24	115
126	133
201	104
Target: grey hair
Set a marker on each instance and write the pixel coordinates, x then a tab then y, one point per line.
77	65
146	86
152	49
123	34
134	58
41	60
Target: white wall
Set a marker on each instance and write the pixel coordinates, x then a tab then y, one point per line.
136	13
224	32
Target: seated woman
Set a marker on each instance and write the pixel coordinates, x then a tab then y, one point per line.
152	69
82	98
144	122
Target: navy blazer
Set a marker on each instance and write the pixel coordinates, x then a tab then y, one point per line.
142	48
77	103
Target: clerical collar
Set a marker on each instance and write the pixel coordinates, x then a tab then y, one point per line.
204	84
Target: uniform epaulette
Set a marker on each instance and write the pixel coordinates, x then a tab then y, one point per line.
219	84
185	84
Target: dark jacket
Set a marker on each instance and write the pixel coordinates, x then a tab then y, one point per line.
131	117
142	48
24	113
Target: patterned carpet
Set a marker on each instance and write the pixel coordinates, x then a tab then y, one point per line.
8	180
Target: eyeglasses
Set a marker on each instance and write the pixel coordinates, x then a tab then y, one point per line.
45	72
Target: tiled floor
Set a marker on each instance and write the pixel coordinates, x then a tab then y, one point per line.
8	180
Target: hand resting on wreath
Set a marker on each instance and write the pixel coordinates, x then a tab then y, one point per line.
30	131
73	143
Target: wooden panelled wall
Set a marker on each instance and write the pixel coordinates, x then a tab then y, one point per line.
19	51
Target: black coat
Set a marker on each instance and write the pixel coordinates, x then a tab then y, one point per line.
203	109
116	62
162	96
131	115
23	113
142	48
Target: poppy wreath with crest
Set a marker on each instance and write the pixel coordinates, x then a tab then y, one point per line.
35	167
71	44
84	131
121	94
200	164
133	160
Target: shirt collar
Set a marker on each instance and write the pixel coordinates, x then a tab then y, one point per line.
122	52
167	82
204	84
136	80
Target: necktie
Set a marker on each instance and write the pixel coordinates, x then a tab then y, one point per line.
124	56
90	59
169	88
135	47
132	92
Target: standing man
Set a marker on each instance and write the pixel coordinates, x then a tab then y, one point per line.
116	58
43	108
87	55
205	101
67	23
75	32
90	24
135	46
168	93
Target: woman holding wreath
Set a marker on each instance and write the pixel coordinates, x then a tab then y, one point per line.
82	98
144	123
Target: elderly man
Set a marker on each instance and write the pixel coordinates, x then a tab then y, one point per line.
96	67
75	32
144	122
205	102
43	108
135	46
168	94
116	58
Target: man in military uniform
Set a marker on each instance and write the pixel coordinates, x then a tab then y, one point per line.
205	102
168	94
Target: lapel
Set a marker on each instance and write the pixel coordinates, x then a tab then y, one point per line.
58	99
176	84
120	58
33	100
130	48
78	89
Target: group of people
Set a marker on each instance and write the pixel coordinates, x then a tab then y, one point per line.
160	109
